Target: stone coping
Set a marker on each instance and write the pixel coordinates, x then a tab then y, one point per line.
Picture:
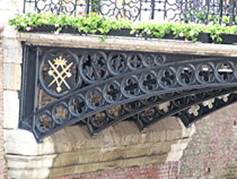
128	44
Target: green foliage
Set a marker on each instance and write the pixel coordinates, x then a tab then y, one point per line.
178	30
92	23
22	22
96	24
150	29
215	32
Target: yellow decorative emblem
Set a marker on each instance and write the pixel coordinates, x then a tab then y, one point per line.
59	71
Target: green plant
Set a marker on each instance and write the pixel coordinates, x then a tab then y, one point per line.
216	32
97	24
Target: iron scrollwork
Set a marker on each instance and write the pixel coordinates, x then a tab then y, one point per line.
99	88
154	114
198	111
199	11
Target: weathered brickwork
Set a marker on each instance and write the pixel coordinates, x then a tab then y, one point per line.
167	171
212	152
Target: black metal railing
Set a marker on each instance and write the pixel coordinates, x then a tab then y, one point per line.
201	11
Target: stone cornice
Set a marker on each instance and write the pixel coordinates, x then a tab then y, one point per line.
128	44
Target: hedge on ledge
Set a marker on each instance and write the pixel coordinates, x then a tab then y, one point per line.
96	24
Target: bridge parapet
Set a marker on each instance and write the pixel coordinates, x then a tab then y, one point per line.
217	75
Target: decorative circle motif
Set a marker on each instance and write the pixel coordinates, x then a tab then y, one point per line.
148	115
98	120
130	86
205	73
149	60
117	63
59	72
60	113
41	5
69	7
167	77
56	6
94	98
121	9
77	105
186	75
225	72
135	61
112	92
115	111
44	122
148	81
160	59
93	67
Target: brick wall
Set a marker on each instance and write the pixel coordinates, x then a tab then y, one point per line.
212	153
166	171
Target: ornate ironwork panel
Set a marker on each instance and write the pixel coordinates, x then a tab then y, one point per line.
200	110
169	10
98	88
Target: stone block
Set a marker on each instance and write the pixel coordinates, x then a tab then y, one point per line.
28	174
173	128
12	50
22	142
12	76
11	109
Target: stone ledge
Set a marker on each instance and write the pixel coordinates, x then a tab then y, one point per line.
82	157
75	138
124	163
128	44
52	172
